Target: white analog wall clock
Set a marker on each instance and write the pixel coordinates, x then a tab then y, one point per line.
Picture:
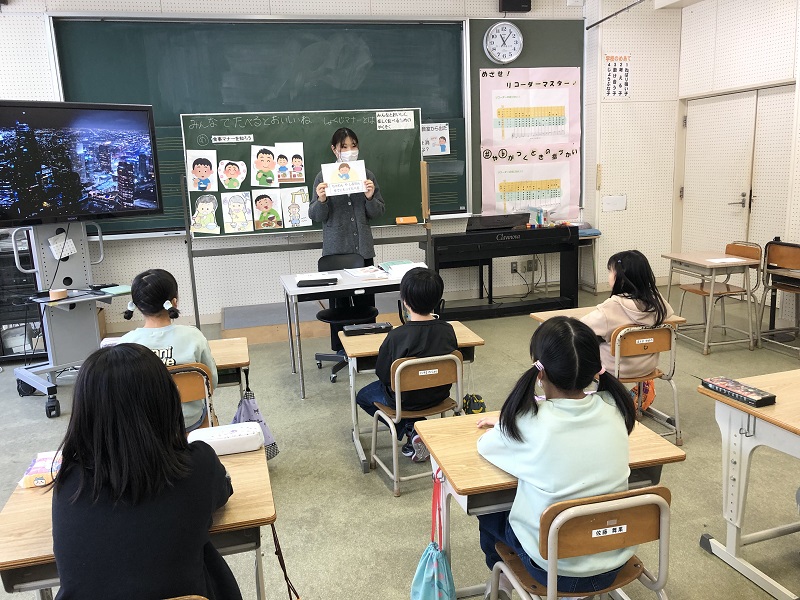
502	43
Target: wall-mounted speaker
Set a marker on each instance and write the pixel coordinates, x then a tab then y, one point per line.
515	5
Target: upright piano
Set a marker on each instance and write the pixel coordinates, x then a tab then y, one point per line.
478	248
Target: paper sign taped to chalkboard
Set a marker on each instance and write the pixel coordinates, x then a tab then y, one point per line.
394	119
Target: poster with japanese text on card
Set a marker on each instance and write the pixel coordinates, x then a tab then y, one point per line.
527	178
530	140
530	105
617	76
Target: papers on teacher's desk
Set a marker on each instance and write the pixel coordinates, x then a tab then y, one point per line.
397	268
371	272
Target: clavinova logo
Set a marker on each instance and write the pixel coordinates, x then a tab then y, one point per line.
503	237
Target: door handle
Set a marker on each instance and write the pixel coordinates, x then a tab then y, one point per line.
741	202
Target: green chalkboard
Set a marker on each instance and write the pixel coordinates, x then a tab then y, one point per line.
213	67
388	142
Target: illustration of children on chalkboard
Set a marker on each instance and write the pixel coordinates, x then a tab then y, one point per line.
283	166
200	170
295	206
231	173
293	152
204	219
237	212
294	214
265	167
442	144
267	217
297	164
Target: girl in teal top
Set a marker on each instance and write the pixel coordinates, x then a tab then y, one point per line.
572	445
155	294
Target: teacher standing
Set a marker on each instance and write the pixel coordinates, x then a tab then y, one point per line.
345	218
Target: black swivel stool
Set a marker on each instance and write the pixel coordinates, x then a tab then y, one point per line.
341	311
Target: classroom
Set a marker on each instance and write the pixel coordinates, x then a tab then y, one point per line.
663	170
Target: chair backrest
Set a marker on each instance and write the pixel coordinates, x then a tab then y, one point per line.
335	262
597	524
639	340
745	250
422	373
194	383
748	250
782	255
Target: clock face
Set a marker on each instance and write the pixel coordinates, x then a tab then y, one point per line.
503	43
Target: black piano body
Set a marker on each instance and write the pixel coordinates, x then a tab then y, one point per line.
478	248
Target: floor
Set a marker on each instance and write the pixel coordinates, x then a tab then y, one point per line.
343	533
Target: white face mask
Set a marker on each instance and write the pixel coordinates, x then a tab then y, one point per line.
348	155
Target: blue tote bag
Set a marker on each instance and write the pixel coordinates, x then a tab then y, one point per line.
434	579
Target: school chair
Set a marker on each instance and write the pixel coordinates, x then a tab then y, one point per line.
723	289
781	274
194	383
341	311
639	340
585	526
415	374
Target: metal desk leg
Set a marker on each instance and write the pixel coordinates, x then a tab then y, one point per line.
299	348
669	281
352	367
289	329
739	440
447	495
261	593
709	312
748	301
242	371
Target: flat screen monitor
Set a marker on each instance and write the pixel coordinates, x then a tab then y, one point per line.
62	161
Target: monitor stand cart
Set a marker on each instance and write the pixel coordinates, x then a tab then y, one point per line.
70	326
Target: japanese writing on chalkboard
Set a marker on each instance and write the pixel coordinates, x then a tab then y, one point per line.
617	76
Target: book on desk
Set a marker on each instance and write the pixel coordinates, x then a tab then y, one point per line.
739	391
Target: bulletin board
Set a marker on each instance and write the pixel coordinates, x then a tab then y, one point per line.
252	173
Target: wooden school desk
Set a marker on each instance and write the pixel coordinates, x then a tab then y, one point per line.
232	358
293	295
362	350
480	488
707	266
26	534
744	428
579	313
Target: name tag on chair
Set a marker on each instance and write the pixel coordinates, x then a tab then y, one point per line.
428	372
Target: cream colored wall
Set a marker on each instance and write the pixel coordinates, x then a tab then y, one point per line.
27	71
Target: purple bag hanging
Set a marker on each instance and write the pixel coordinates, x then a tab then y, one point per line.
248	412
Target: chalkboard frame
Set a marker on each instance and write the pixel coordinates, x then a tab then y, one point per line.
76	50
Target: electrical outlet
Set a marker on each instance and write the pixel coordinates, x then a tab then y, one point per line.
529	266
514	267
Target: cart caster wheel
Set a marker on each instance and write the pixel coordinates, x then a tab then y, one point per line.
333	378
52	407
319	364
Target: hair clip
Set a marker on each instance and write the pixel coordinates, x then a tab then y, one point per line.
131	306
167	304
538	365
